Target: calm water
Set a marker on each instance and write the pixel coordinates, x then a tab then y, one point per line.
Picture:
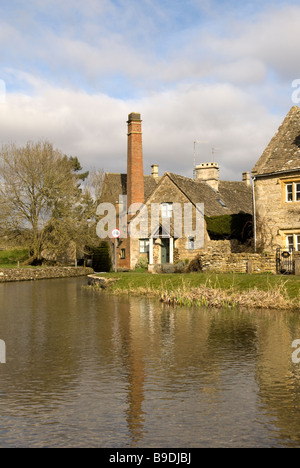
89	370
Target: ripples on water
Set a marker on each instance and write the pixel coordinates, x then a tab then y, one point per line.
90	370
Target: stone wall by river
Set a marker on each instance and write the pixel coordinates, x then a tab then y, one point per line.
32	274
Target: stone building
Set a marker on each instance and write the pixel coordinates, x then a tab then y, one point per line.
172	209
276	178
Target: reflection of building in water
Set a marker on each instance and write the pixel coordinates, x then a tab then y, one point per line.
136	373
278	378
128	343
154	344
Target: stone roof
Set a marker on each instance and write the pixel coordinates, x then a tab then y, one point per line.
283	152
232	197
116	184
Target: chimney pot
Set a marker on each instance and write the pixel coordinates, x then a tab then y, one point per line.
154	172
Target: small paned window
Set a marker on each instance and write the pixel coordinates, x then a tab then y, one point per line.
166	210
191	243
289	192
144	245
123	254
290	242
292	192
293	242
298	243
297	192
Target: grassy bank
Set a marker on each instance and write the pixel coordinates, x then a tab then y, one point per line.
209	289
12	258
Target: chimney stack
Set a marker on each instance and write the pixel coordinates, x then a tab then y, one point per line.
246	178
209	173
135	172
154	172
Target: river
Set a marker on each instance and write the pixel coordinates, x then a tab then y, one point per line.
85	369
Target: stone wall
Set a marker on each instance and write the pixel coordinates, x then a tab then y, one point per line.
32	274
238	263
230	256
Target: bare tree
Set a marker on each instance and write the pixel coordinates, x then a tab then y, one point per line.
39	191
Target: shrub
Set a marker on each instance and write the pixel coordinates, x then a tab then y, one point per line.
142	263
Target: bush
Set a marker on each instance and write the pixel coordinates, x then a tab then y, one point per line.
195	265
142	263
180	266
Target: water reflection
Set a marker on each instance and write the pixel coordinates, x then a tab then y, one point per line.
85	369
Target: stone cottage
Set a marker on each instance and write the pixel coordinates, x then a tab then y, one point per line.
181	206
276	178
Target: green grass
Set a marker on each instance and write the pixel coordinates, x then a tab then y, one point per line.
10	258
226	281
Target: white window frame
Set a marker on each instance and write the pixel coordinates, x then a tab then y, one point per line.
289	193
293	240
166	210
297	191
191	243
144	245
294	194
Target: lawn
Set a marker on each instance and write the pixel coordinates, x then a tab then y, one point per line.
227	281
10	258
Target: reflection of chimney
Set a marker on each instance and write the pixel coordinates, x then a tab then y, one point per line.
154	172
135	173
246	178
209	173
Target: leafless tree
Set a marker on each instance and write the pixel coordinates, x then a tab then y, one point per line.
39	195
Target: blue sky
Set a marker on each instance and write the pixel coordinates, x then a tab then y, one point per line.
219	71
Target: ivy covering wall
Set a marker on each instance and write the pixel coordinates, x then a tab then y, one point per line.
236	226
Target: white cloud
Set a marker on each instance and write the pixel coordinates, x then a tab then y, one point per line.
93	127
224	80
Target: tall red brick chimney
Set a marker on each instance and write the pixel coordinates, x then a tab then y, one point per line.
135	172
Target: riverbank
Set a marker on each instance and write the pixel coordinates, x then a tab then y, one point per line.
33	274
210	290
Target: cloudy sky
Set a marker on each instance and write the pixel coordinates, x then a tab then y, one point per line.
212	71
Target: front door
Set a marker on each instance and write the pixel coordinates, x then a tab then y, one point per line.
165	250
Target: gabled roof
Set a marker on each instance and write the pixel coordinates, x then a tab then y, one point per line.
232	197
115	185
283	152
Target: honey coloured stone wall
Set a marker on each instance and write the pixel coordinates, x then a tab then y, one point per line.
237	262
274	215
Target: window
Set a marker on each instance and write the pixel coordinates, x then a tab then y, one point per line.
166	210
221	202
297	192
290	242
293	242
292	192
191	243
298	243
289	192
123	254
144	245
